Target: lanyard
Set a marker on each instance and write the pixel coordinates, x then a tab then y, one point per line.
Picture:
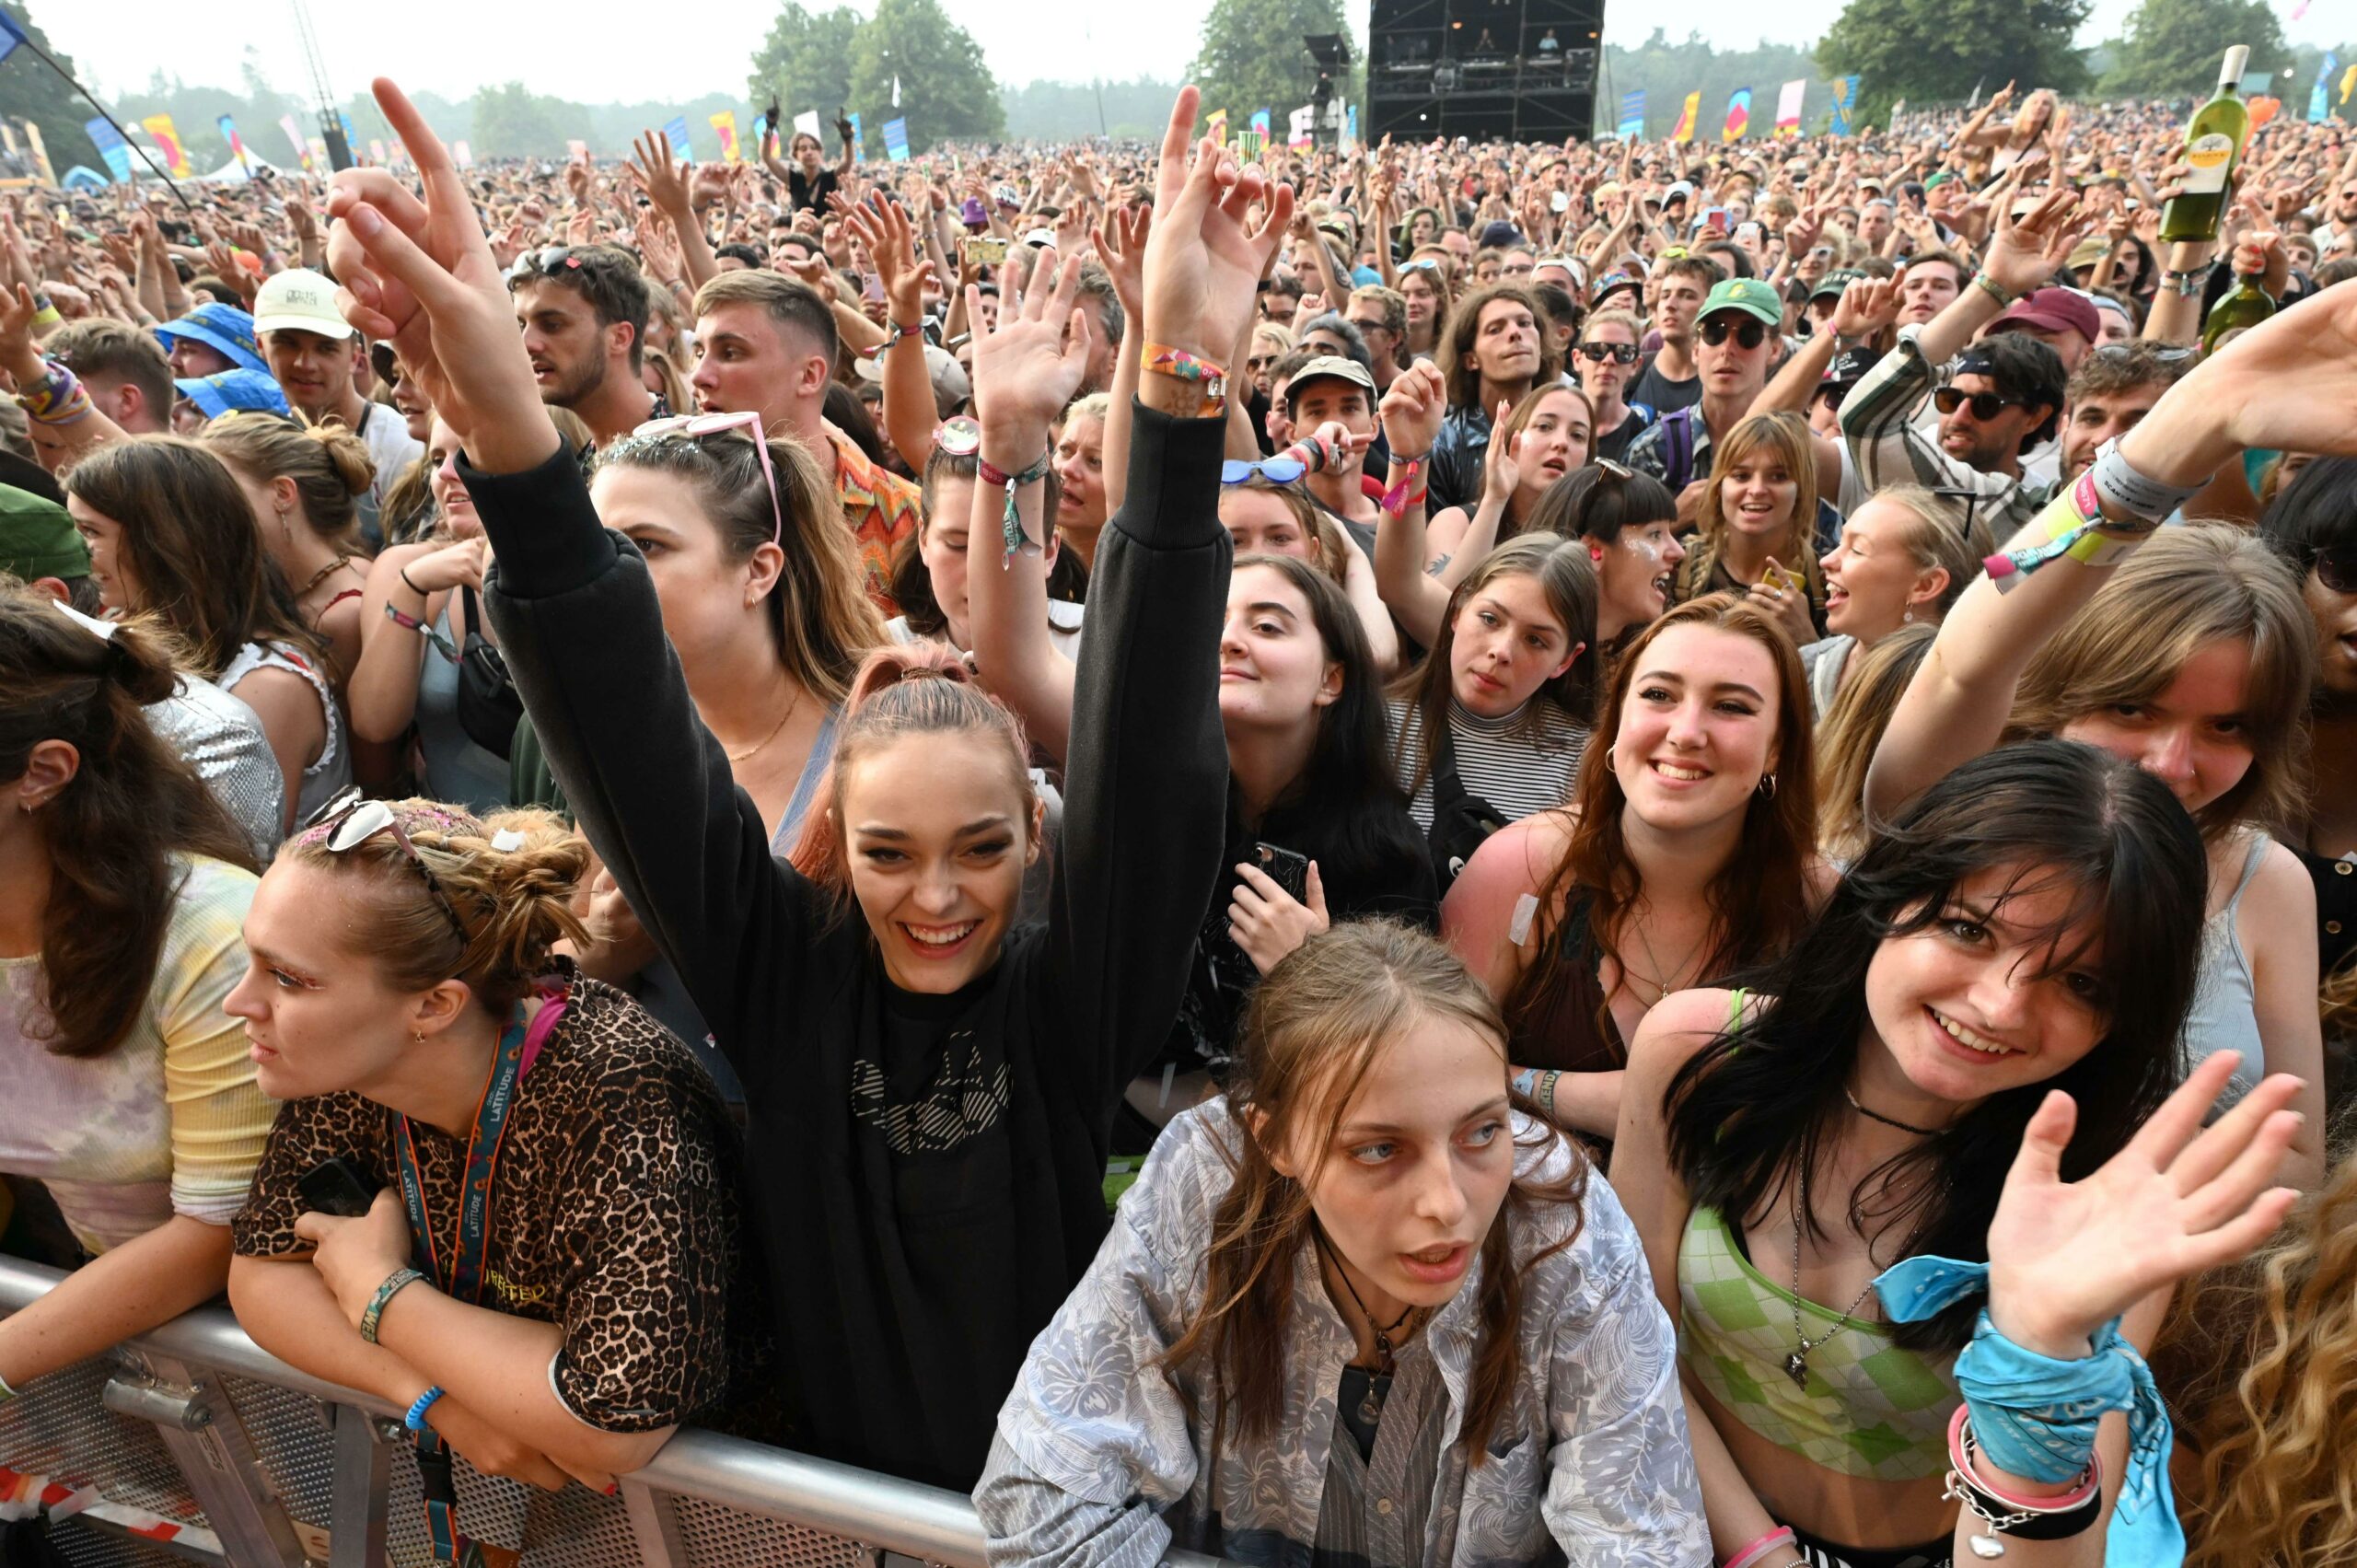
458	1269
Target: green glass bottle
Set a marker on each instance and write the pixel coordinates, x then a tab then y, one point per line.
2240	308
2213	145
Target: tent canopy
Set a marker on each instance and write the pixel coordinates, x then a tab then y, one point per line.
230	173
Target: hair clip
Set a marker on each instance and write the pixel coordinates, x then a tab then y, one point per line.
507	840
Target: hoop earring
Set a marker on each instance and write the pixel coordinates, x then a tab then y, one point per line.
1767	786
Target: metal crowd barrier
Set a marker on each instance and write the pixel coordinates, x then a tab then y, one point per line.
193	1444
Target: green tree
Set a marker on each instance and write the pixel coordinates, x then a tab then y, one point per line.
31	90
1668	70
1927	49
1251	57
2172	48
512	122
946	92
805	63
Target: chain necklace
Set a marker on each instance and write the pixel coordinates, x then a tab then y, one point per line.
1797	1364
1887	1121
321	575
1371	1406
1661	978
784	720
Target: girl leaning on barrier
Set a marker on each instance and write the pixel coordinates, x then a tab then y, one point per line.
930	1082
123	1089
402	997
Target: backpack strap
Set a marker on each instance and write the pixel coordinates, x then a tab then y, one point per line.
1678	447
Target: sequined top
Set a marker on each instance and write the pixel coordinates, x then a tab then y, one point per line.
221	738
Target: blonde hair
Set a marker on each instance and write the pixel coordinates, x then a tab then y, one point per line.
2264	1352
1787	435
1852	728
2185	587
330	466
675	386
1935	539
514	903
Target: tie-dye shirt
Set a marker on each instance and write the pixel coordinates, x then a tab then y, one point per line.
168	1123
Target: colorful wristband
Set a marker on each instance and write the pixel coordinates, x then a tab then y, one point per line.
406	622
1404	494
415	1419
1780	1535
1164	360
395	1282
1011	521
1993	288
893	334
57	398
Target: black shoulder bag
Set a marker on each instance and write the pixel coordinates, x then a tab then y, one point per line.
489	705
1460	821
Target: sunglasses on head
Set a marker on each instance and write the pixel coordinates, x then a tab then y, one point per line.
696	426
960	437
1947	400
2337	568
546	262
1619	354
1750	331
348	821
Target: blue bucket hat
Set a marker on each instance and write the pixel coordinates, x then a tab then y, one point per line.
222	328
249	391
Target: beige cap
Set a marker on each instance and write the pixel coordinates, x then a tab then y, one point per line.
302	300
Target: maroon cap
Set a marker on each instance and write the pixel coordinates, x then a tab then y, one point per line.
2055	310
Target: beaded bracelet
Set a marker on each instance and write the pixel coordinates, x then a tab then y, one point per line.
415	1419
1011	521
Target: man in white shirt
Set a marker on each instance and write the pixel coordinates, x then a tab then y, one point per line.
318	359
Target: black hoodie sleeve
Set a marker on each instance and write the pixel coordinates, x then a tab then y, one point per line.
1146	791
583	634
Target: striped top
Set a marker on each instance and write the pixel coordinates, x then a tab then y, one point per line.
1517	772
168	1123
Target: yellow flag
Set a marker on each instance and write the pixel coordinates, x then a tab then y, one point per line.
1216	127
724	122
168	142
1687	116
2348	81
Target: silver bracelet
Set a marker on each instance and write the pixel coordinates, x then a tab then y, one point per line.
2118	484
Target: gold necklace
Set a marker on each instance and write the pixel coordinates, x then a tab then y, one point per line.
1660	986
787	719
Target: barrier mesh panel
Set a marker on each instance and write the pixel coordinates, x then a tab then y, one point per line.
723	1538
60	1429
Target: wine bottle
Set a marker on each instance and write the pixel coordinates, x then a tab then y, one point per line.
2213	145
2240	308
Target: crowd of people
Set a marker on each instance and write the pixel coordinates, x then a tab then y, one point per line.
1696	806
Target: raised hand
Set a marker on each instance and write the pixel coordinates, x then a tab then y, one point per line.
1413	408
1500	471
708	186
652	171
419	274
2066	1258
658	248
1028	368
2029	249
1120	242
1866	307
1201	261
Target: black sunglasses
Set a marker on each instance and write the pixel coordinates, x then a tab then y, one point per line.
2337	568
1619	354
1985	405
1971	499
1750	331
548	261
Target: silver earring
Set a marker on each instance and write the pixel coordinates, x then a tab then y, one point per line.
1907	616
1767	786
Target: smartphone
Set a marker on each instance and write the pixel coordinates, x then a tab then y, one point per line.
1287	868
335	1188
1007	196
1714	217
983	250
1776	576
1560	202
1749	235
872	288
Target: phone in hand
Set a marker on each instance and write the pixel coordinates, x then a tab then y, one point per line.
1287	868
872	288
983	250
333	1187
1560	202
1775	576
1714	217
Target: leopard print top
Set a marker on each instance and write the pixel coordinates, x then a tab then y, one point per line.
614	1212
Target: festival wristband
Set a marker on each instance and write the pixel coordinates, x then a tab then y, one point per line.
1963	1450
2072	525
1209	379
1993	288
1011	521
415	1419
1780	1535
57	398
2115	482
893	333
1406	492
395	1282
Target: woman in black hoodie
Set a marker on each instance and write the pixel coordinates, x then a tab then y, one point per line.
930	1086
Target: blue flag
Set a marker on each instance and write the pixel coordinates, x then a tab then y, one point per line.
896	140
1632	114
110	142
1845	101
2319	106
857	135
11	35
676	130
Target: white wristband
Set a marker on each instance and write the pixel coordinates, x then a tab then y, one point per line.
2123	487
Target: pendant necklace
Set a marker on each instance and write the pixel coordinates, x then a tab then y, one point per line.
1371	1407
1797	1364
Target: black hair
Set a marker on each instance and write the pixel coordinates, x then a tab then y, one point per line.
2026	369
1353	341
2316	512
1730	256
607	278
847	414
744	253
1593	502
1562	310
1758	1105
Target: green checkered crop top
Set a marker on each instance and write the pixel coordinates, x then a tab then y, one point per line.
1868	1408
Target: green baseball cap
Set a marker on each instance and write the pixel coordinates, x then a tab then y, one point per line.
1749	296
37	538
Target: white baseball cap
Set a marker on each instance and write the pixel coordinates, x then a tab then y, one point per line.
302	300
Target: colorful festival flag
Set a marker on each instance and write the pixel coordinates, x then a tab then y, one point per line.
1632	115
1788	107
1684	130
1215	127
896	140
675	130
294	137
228	129
724	122
112	150
1738	115
1845	103
167	137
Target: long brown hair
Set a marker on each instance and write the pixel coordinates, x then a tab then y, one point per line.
1759	899
1311	1031
190	538
1566	574
329	466
114	833
1463	330
1785	436
2182	588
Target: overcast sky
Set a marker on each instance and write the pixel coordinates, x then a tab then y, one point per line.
612	52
